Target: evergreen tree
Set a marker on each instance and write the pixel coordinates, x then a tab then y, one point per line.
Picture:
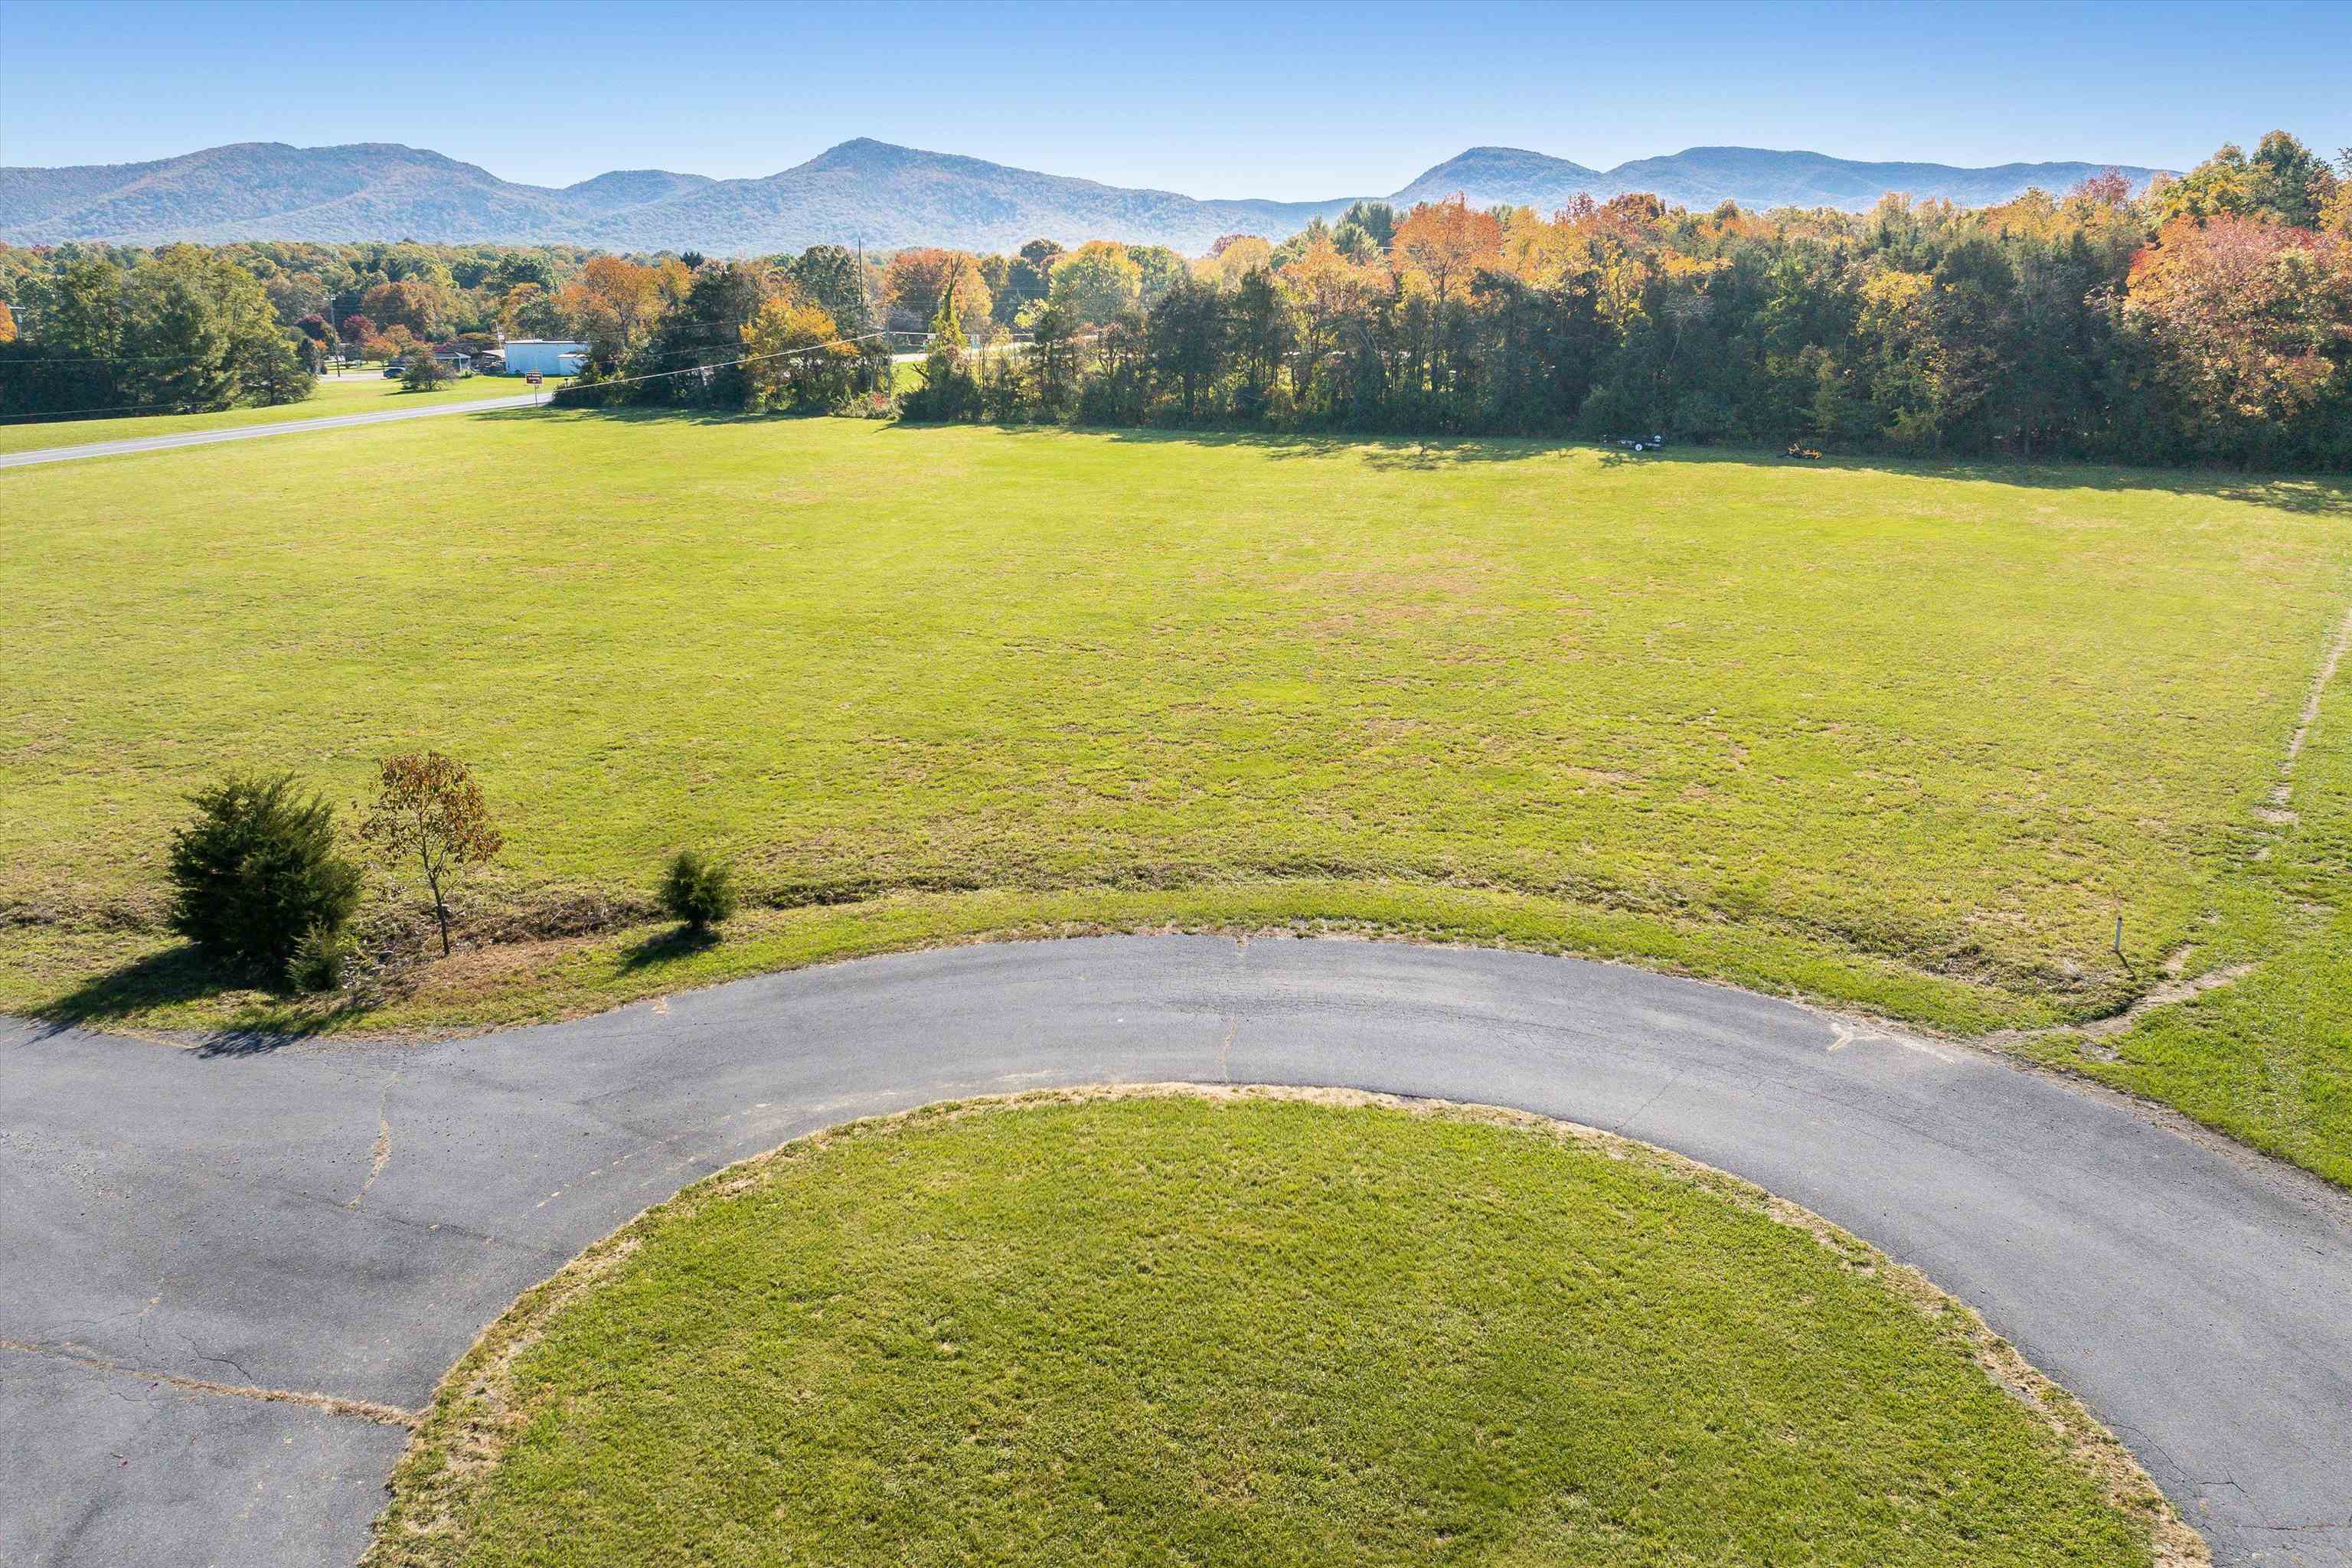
271	369
187	321
1188	338
827	277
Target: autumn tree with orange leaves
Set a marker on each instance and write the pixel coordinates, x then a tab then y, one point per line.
429	820
916	281
2254	320
797	357
1444	243
631	295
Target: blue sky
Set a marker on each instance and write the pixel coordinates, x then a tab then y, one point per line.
1295	102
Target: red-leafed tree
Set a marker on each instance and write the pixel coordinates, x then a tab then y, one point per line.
2250	319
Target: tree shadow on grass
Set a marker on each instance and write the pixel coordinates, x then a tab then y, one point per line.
654	414
1380	451
671	946
2314	495
263	1022
1387	454
2318	495
623	414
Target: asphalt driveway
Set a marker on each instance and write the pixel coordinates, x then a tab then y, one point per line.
228	1269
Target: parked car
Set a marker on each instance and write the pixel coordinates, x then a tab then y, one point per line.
392	370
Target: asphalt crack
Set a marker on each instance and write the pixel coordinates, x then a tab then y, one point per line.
1843	1034
329	1404
381	1154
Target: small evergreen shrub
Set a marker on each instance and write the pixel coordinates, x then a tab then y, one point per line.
257	871
320	960
700	891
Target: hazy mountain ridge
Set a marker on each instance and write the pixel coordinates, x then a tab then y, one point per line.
1705	176
890	196
883	194
625	188
1492	176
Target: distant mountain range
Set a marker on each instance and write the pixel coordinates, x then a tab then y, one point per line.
888	196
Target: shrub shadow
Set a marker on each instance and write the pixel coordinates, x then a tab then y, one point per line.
667	947
179	976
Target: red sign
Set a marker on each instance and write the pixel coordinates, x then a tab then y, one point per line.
532	379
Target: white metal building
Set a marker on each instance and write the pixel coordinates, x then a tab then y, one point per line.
549	356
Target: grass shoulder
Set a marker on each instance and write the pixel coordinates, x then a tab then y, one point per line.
550	980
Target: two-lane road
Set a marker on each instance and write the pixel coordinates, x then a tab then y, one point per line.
254	432
342	1219
294	426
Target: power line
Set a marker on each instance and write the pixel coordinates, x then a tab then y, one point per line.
104	408
118	359
724	363
616	380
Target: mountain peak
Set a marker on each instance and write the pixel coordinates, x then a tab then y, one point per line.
625	188
1501	176
865	152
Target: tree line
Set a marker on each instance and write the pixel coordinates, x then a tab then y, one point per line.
181	330
2208	319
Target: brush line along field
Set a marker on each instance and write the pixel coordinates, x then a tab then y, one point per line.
1904	737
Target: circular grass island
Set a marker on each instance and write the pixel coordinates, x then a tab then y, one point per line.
1184	1326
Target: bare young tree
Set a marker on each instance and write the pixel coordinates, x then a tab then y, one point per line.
429	815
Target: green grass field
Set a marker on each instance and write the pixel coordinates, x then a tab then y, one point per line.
1908	739
2268	1057
1250	1329
355	393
